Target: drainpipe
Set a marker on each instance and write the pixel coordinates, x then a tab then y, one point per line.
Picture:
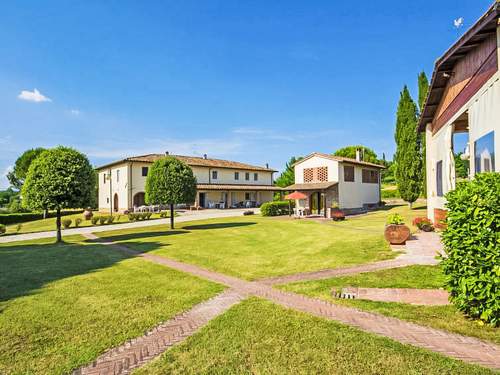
110	193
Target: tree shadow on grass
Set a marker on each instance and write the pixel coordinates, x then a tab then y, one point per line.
138	235
25	268
218	226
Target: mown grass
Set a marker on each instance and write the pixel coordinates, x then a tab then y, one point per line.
63	305
258	337
440	317
256	247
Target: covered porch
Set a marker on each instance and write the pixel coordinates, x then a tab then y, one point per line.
320	198
233	196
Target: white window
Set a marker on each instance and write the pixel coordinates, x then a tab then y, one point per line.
255	176
247	176
214	175
236	175
117	175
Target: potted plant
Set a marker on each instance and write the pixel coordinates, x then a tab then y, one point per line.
87	214
423	223
396	232
336	213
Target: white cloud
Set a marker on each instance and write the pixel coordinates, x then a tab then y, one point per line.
5	140
75	112
33	96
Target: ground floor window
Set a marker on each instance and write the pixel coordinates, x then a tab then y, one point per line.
484	153
439	178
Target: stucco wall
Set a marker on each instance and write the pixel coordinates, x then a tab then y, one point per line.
314	162
356	194
119	187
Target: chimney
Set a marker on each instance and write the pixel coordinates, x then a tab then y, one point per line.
204	156
267	165
358	155
166	152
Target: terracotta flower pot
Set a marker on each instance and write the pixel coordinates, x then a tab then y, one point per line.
87	214
397	234
337	214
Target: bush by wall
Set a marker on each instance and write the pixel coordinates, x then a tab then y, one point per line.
276	208
23	217
2	229
472	244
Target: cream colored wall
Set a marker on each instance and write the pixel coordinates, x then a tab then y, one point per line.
356	194
226	176
118	186
314	162
435	152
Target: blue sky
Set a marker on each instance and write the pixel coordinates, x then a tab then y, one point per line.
253	81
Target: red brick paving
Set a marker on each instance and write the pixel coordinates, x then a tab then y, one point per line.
138	351
460	347
430	297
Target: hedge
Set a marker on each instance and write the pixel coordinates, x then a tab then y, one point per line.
23	217
276	208
472	245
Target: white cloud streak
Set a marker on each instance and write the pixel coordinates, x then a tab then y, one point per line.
33	96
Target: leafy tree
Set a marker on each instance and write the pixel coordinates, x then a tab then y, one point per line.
17	176
7	195
287	177
408	157
423	89
59	178
350	152
170	181
461	166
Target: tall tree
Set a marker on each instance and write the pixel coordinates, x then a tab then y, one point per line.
408	157
170	181
350	152
59	178
423	89
287	177
17	176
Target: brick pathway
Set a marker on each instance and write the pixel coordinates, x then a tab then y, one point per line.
430	297
137	352
460	347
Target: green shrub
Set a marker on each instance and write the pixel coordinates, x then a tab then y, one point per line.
148	215
132	216
94	219
396	219
66	223
390	193
110	218
3	229
103	220
23	217
164	214
276	208
19	227
472	245
78	221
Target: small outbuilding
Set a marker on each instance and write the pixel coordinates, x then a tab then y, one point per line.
331	182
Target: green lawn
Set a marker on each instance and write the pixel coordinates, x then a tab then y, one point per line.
441	317
63	305
49	224
256	247
258	337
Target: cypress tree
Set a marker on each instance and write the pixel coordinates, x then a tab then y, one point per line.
408	157
423	89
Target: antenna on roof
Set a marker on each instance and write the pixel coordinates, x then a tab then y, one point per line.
166	152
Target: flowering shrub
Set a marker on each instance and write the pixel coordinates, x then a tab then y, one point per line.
423	223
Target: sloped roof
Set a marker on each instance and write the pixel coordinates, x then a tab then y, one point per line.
477	33
311	186
341	159
191	161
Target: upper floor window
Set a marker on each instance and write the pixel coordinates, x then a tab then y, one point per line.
439	178
247	176
255	176
236	175
117	175
484	153
370	176
348	173
214	175
145	171
104	178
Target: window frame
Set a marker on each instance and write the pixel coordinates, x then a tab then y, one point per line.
350	167
247	176
256	176
144	169
215	175
369	176
237	176
439	179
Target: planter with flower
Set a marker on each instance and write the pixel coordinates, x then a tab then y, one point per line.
423	224
336	213
396	232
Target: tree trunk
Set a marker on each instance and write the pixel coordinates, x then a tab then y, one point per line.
171	216
58	225
410	204
45	213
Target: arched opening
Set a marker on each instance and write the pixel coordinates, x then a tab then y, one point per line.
115	203
139	199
